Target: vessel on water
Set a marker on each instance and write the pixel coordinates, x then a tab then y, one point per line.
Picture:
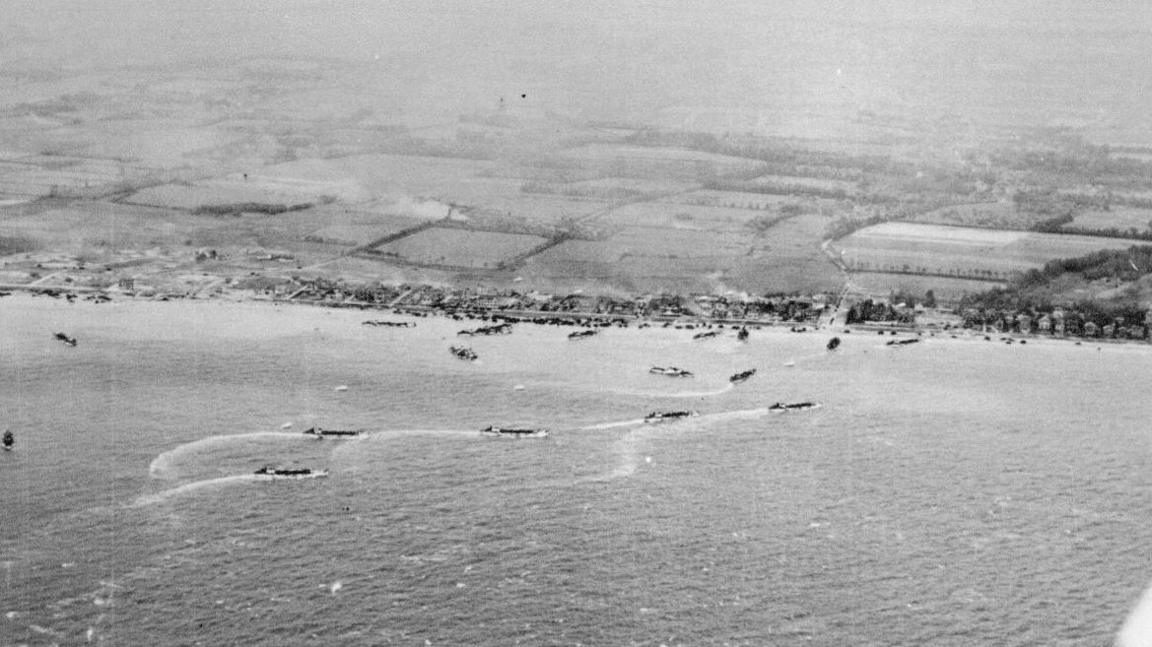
389	324
71	341
833	343
661	416
670	371
905	342
706	334
465	353
9	440
581	334
742	376
318	432
743	334
290	472
498	329
780	407
514	432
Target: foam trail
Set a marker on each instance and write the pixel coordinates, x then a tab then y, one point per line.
627	450
1137	629
162	464
394	433
683	394
150	499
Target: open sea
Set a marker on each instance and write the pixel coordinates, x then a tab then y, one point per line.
951	492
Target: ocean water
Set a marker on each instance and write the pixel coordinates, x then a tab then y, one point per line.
952	492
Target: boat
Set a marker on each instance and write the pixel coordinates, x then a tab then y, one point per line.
9	440
290	472
742	335
660	416
706	334
465	353
581	334
742	376
498	329
781	407
332	433
71	341
670	371
389	324
905	342
514	432
833	343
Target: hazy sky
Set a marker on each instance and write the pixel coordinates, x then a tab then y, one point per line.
1072	57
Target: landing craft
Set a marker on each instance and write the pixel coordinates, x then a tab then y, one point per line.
319	433
513	432
9	440
834	343
670	371
660	416
71	341
742	376
290	473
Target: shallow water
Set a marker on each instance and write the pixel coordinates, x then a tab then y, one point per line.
953	492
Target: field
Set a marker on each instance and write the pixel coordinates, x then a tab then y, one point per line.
1119	218
988	215
946	290
459	247
681	217
962	252
656	258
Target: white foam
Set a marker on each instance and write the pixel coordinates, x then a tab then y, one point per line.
161	466
187	488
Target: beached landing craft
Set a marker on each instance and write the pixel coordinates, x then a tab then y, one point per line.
742	376
463	352
290	473
581	334
706	335
670	371
389	324
905	342
781	407
514	432
743	334
319	433
9	440
661	416
834	343
71	341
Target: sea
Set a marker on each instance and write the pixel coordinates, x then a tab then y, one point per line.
956	491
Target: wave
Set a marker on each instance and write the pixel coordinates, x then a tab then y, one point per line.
161	466
160	497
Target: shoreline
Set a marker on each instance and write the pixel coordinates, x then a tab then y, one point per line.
581	319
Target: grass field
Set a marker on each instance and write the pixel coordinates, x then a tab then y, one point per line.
989	215
945	289
993	254
1121	218
479	249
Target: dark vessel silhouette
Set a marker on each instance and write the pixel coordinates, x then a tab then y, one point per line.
833	343
71	341
742	376
670	371
9	440
514	432
463	352
332	433
743	334
290	472
581	334
661	416
794	406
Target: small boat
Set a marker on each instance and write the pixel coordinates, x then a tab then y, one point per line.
317	432
833	343
71	341
342	388
661	416
706	335
498	329
389	324
742	376
514	432
9	440
781	407
581	334
290	472
742	335
670	371
905	342
463	352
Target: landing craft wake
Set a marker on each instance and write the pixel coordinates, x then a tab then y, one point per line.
162	464
187	488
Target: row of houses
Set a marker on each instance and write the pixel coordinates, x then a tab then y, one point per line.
1059	322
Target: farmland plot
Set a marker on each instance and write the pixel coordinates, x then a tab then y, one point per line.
1119	218
460	247
932	249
